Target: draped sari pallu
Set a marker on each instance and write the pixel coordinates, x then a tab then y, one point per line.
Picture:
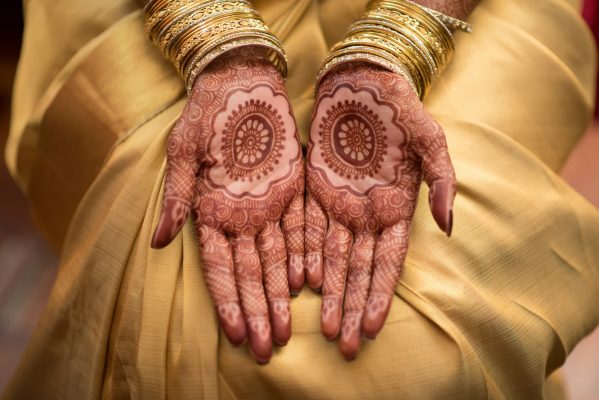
489	313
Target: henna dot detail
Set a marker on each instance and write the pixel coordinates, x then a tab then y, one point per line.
353	140
251	144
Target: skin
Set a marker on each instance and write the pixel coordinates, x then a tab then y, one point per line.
371	144
234	163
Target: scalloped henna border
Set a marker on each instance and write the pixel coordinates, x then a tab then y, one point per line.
211	160
322	173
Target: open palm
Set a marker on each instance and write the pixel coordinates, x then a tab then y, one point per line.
371	142
235	163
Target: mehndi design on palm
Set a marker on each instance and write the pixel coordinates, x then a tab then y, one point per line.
371	143
234	161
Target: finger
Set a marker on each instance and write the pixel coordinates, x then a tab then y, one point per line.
293	229
438	173
181	169
217	265
358	283
273	255
316	224
389	256
336	255
248	273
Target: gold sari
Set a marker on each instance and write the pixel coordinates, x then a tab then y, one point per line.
489	313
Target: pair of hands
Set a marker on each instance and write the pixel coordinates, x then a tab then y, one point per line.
234	162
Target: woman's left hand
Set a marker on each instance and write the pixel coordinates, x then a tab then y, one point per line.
371	143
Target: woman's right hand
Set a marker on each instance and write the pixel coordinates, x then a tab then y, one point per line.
234	161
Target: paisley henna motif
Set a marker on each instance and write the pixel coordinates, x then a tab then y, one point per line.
234	161
371	143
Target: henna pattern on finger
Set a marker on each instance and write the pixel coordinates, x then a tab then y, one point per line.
336	255
315	228
293	227
220	279
273	255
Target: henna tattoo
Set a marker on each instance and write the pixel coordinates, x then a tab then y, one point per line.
251	143
234	160
293	226
273	255
455	8
354	152
219	276
353	140
316	225
371	144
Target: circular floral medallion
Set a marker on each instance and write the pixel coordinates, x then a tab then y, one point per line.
252	140
352	140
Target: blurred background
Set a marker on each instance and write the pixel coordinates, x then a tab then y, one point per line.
28	266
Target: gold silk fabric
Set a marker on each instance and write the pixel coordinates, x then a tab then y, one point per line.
488	313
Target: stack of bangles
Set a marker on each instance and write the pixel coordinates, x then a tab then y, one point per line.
398	35
401	36
192	33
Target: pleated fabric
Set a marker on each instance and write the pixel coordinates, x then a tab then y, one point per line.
489	313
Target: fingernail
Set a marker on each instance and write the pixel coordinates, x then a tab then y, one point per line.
260	339
351	337
280	317
232	323
442	194
449	222
377	308
158	240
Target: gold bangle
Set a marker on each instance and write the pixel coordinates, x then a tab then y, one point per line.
392	36
414	17
400	36
379	54
161	9
366	58
383	35
196	37
197	15
206	48
226	47
405	54
450	22
420	78
437	50
192	33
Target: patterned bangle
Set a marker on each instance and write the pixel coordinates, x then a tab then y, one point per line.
402	37
274	49
191	32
